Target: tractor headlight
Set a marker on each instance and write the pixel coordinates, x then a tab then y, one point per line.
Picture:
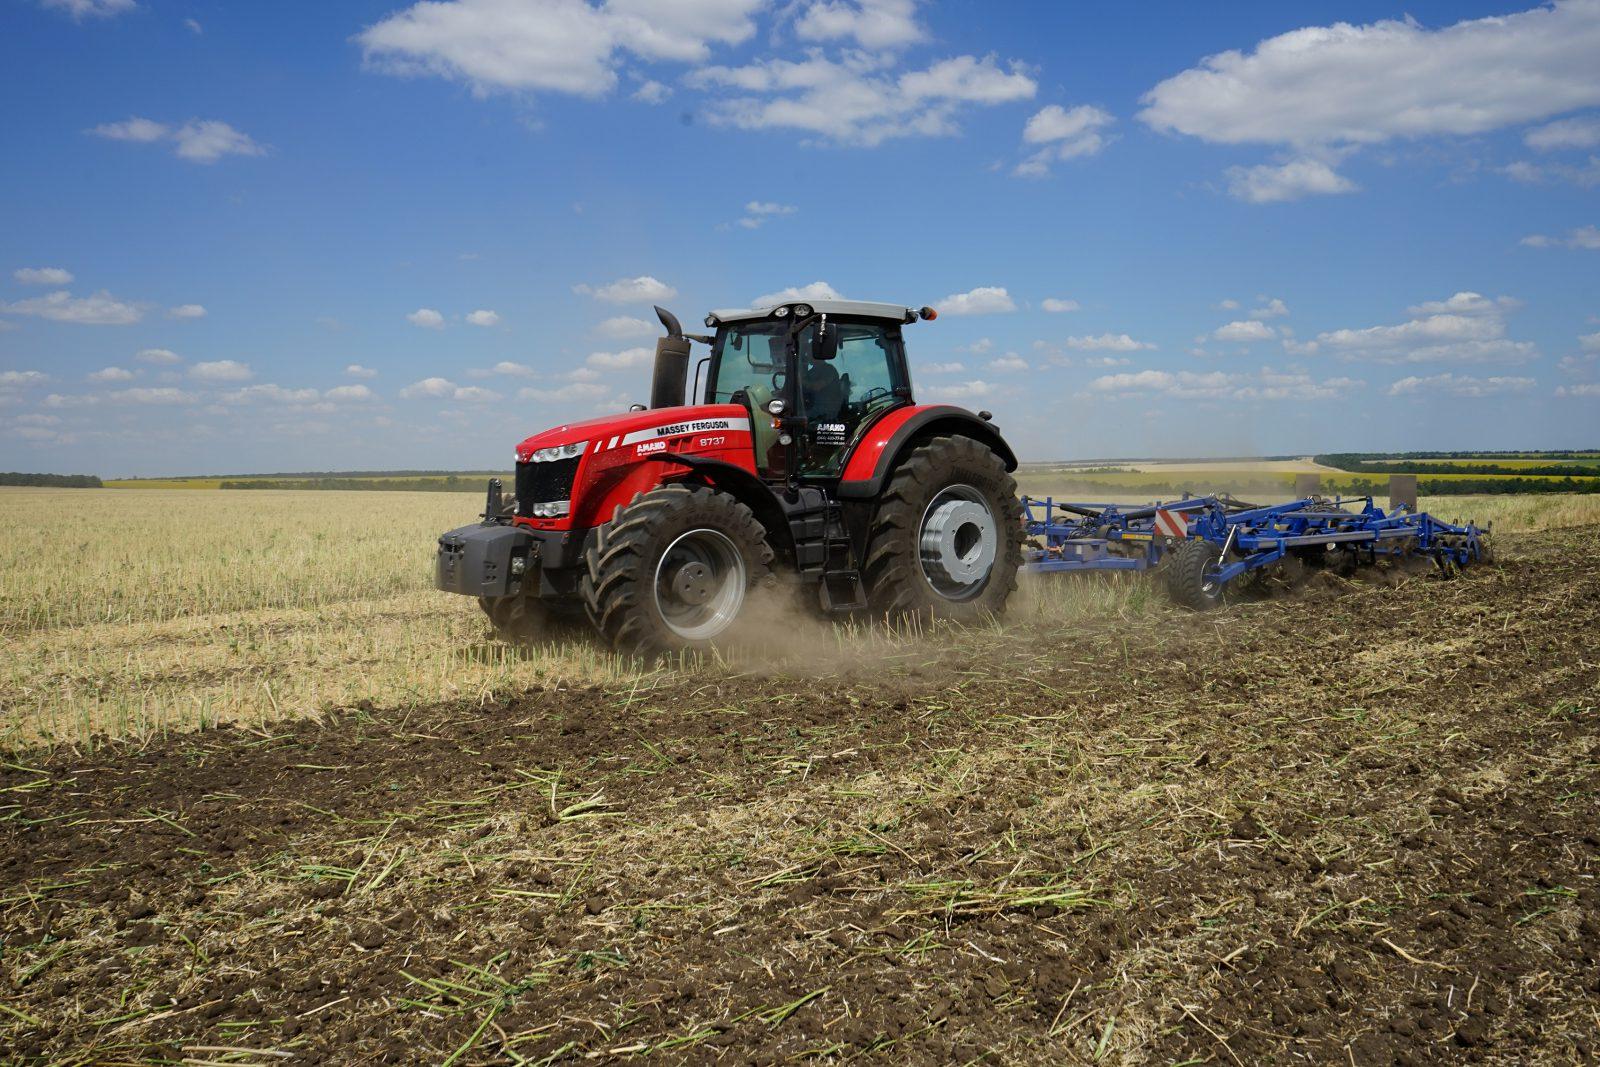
550	509
555	452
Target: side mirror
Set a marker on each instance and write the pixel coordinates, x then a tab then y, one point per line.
827	345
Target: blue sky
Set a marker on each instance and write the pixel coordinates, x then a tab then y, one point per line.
373	235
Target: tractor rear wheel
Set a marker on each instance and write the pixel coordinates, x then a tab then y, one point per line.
519	620
673	569
1188	581
946	541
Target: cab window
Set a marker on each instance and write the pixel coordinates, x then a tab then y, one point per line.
840	396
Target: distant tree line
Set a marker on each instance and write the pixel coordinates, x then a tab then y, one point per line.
450	483
1360	462
52	481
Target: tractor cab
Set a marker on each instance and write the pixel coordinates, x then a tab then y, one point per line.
813	377
799	456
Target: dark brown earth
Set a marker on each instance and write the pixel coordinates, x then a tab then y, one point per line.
1361	825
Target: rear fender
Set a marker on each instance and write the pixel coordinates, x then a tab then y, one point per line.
891	439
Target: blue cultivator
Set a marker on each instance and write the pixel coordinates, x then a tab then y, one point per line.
1205	544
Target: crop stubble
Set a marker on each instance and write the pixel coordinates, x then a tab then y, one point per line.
1359	826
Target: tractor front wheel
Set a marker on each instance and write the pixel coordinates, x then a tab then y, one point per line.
519	620
673	569
1189	578
946	541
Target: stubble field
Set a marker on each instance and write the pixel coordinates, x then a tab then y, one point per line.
1353	824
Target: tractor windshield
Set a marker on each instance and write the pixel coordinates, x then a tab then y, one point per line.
749	359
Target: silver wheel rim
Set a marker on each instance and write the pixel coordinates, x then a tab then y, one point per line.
958	542
700	584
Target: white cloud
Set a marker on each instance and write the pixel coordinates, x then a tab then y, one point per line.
1105	361
758	213
1107	342
1453	385
434	387
84	9
1228	305
1008	363
134	129
1272	309
356	370
1244	332
17	379
1582	237
1067	134
475	394
1266	384
814	291
187	311
222	370
1346	84
272	394
483	317
1465	328
198	140
972	390
209	140
1267	184
566	46
1055	306
952	367
1586	176
348	392
858	99
870	23
978	347
111	374
573	391
627	358
984	300
1581	132
1590	342
1466	303
43	276
651	92
152	396
1580	389
504	367
427	318
161	356
624	327
641	290
193	26
99	309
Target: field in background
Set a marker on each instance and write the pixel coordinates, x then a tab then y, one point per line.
133	612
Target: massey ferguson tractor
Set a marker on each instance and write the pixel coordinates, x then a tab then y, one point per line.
804	460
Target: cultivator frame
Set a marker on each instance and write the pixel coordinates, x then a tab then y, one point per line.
1227	539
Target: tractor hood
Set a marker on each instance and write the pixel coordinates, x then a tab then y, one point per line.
611	430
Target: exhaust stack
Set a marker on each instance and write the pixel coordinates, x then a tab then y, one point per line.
672	363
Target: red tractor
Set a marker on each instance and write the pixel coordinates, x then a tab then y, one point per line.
805	457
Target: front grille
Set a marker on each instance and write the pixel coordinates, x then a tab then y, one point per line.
540	483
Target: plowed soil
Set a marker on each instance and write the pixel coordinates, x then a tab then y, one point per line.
1359	825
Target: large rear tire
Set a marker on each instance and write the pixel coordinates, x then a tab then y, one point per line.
946	541
1188	582
673	569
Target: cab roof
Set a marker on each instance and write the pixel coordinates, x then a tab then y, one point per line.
860	309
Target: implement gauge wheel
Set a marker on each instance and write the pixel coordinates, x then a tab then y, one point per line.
673	569
1188	582
946	542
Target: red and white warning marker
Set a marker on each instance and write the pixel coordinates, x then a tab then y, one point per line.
1171	523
